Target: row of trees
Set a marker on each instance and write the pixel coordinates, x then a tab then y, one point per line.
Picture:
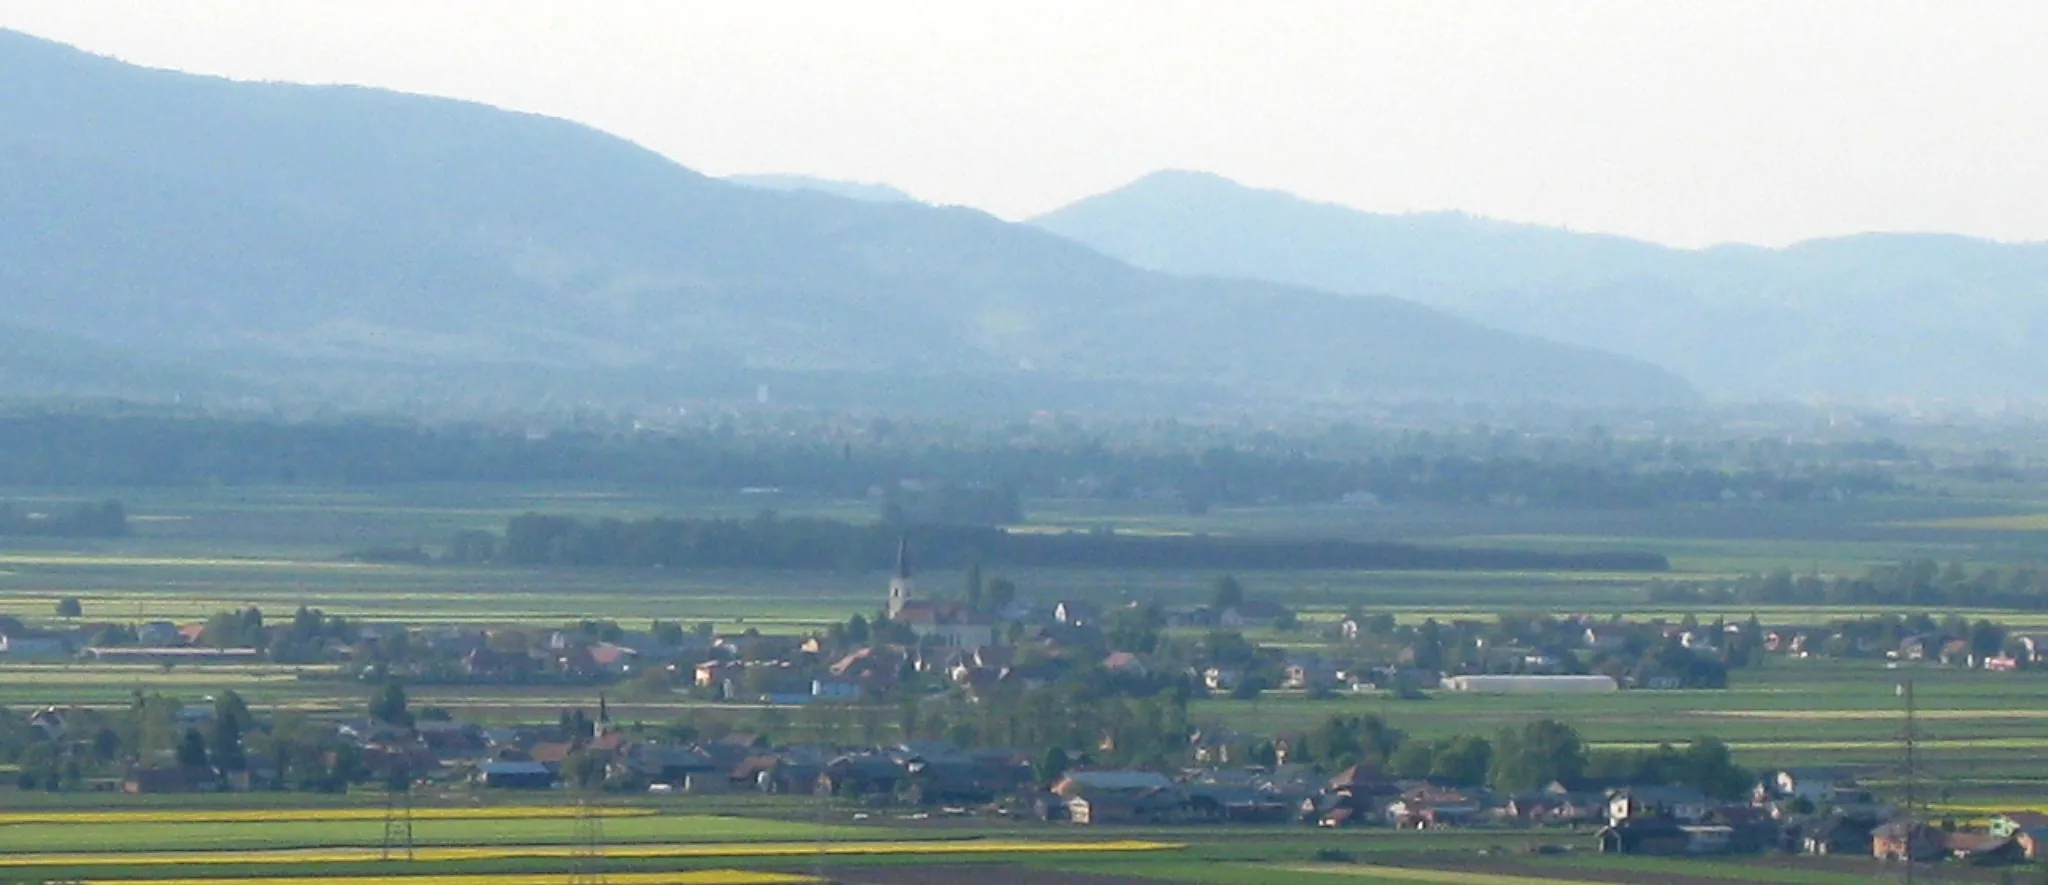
1120	462
1918	582
769	541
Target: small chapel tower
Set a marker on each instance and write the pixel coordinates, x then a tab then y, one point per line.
900	586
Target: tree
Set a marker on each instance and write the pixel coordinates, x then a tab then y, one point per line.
1536	754
1053	764
69	607
582	770
1000	593
230	719
192	750
1462	760
389	704
1226	593
1710	768
1414	761
974	587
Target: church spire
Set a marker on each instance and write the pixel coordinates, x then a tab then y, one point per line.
903	557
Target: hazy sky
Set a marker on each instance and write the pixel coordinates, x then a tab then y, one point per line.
1688	123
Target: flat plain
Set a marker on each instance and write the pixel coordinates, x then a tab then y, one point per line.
200	551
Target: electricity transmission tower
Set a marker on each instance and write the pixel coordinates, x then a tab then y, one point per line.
398	842
586	862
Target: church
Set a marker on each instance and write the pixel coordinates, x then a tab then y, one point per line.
950	624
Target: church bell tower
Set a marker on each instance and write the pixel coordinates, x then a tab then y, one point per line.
900	585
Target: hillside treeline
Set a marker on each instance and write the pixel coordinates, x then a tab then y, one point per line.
1187	465
1918	582
767	541
105	519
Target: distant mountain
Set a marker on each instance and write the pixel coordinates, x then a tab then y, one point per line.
1860	317
40	364
356	244
852	190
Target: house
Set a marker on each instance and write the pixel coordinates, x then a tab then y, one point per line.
1812	784
161	633
1556	805
514	776
1131	782
1902	839
1102	797
834	689
50	722
1070	613
1837	835
2033	843
34	648
1982	849
1683	805
1308	673
1124	663
1956	653
2011	823
862	774
1222	678
617	660
1662	836
1428	808
654	763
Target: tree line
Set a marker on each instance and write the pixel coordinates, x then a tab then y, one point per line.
769	541
1917	582
104	519
66	449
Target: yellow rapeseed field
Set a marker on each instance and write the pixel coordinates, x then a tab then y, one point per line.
685	877
616	852
302	815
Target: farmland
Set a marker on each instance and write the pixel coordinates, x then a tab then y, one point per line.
195	553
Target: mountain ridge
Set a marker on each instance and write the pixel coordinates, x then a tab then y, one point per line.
318	234
1825	317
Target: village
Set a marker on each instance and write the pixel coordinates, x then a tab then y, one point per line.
939	709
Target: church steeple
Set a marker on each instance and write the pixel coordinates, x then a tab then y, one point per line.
900	584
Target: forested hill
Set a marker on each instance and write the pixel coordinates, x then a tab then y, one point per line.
1861	317
356	243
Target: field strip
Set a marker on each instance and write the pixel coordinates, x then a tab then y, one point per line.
615	852
1996	743
1860	715
306	815
1417	874
683	877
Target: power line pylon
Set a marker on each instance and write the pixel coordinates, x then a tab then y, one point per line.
586	862
398	841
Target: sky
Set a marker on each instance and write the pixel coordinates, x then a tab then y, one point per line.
1687	123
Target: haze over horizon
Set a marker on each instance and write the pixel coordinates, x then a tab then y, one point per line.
1689	126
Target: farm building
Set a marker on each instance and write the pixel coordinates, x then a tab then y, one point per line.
1531	684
